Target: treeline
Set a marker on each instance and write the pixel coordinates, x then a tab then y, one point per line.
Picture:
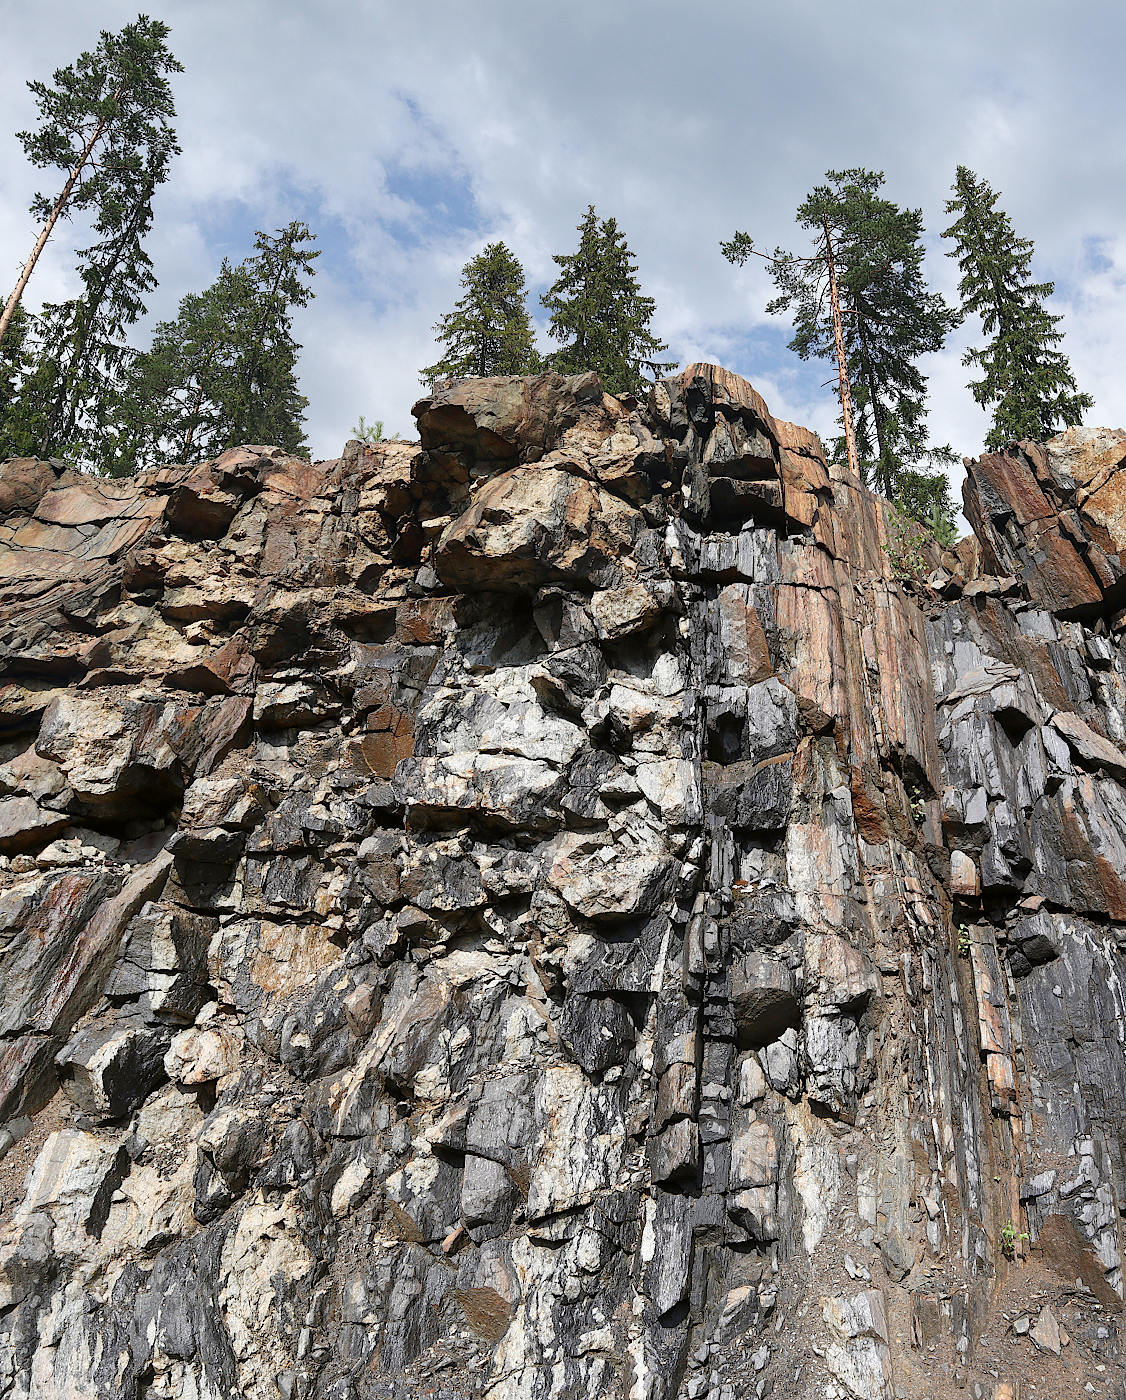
224	370
598	315
859	300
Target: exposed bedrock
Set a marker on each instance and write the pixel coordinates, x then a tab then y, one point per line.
549	913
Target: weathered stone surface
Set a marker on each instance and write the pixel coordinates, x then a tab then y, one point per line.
1052	518
547	912
533	526
503	419
109	1070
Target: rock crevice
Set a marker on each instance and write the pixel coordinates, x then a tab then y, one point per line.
552	911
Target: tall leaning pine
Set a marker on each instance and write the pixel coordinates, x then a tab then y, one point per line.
862	301
107	121
1026	381
96	119
741	246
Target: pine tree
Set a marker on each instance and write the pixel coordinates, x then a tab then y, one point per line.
1026	381
224	371
107	121
489	331
888	317
821	265
598	313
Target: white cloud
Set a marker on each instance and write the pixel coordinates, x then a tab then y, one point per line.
682	123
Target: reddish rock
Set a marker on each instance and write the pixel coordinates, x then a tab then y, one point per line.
530	839
497	420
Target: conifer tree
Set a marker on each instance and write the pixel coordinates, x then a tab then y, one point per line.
489	331
889	318
223	372
1026	380
598	313
15	361
924	497
107	121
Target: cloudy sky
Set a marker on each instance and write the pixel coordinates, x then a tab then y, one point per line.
408	135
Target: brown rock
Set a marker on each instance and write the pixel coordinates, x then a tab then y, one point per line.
533	526
1089	747
746	653
24	825
965	881
1045	1332
23	483
498	420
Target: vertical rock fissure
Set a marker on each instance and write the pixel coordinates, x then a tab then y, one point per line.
594	929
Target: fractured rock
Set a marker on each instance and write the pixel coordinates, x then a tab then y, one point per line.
479	915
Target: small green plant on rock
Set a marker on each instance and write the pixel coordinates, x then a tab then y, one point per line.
1010	1238
906	546
371	432
965	942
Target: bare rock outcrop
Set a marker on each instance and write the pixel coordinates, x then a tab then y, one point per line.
551	911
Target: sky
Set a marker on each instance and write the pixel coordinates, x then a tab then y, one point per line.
408	135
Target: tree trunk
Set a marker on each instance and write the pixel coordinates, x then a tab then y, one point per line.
193	421
879	425
41	242
842	366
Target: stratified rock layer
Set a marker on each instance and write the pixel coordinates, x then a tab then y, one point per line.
549	912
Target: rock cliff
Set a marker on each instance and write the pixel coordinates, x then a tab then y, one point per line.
551	911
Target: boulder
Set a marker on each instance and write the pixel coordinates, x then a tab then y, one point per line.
534	526
109	1071
764	998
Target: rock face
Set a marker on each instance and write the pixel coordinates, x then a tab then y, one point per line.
548	912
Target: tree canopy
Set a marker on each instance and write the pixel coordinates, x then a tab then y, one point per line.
1026	381
489	331
598	313
224	371
15	361
890	318
73	383
107	120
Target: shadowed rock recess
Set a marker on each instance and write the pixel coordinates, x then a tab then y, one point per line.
548	914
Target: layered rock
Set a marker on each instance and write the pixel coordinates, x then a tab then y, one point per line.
551	911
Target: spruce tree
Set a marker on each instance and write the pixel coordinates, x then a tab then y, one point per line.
888	317
1026	380
269	407
223	372
489	331
598	313
15	361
